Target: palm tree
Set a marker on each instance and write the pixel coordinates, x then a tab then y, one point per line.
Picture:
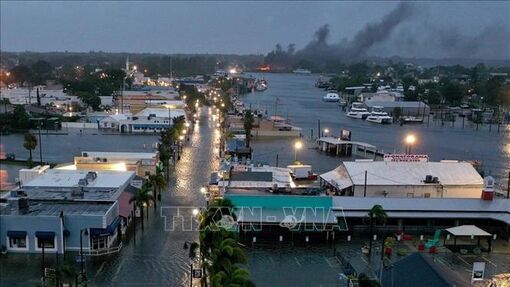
248	126
30	144
142	198
375	214
157	182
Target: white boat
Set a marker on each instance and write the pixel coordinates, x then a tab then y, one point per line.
411	120
302	71
379	116
331	97
358	111
261	85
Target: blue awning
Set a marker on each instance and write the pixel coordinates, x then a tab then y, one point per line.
17	234
109	230
45	234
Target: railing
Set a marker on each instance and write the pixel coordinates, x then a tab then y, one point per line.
106	251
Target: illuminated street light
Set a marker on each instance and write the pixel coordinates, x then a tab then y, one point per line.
298	145
203	189
410	140
326	132
195	212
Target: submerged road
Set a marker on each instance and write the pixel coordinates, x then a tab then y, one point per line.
158	258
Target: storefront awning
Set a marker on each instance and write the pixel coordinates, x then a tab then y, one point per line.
45	234
17	234
109	230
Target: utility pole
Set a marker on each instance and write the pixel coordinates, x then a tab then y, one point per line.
365	186
40	143
508	188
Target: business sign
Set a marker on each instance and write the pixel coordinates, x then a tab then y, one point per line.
241	168
406	157
478	271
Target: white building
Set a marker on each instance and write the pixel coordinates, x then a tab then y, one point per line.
113	121
147	120
381	96
23	96
451	179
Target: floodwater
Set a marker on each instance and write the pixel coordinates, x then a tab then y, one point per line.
158	257
295	97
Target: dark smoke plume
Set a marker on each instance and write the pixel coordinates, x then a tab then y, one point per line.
371	34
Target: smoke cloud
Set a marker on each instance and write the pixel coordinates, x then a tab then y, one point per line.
406	31
371	34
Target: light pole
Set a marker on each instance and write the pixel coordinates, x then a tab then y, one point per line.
298	145
410	139
39	124
207	195
82	232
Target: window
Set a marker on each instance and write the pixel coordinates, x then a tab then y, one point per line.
100	242
18	242
48	243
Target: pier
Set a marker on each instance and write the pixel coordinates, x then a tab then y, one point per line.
339	147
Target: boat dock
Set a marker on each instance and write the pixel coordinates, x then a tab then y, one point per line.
339	147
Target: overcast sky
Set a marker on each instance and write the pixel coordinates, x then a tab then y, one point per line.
242	27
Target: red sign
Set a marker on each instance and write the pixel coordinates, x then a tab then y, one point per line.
406	157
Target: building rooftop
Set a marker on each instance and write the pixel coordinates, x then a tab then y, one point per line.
498	209
161	112
59	178
402	173
388	104
52	208
120	155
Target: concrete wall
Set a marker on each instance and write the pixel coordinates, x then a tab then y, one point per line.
30	224
420	191
73	223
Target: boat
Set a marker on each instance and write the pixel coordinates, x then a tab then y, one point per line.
411	120
358	111
331	97
261	85
322	83
379	116
302	71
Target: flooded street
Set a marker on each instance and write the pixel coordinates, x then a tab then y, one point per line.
158	258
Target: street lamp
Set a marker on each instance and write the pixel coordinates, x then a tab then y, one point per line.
298	145
82	232
410	139
326	132
207	195
192	246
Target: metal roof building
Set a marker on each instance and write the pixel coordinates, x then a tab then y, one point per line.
405	179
